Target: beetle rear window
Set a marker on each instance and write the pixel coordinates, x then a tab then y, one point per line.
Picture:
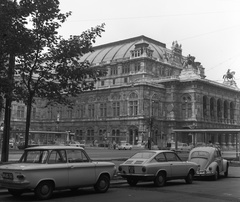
200	154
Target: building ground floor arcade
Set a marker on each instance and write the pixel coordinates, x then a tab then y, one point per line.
227	139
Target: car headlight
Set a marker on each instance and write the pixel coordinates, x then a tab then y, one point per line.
20	176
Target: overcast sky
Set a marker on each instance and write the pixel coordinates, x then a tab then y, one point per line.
206	29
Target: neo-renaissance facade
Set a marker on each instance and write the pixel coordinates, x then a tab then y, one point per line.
149	90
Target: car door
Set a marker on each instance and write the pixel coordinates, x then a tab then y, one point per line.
57	167
81	168
178	167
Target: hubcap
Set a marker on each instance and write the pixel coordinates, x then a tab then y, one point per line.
45	189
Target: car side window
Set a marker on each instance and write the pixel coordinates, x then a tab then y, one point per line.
160	158
172	157
76	156
57	157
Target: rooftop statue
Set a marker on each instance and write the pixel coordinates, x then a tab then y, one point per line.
229	75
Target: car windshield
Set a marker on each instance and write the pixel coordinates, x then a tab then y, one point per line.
34	156
143	155
200	154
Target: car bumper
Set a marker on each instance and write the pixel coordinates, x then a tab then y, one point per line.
203	173
143	177
14	185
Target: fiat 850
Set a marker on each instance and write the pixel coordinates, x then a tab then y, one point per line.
158	166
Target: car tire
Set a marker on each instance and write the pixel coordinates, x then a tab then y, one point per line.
132	182
226	172
160	179
189	178
102	184
44	190
216	175
15	192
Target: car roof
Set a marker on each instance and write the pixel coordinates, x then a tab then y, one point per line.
50	147
204	148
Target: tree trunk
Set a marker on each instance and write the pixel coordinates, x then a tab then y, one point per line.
7	118
28	120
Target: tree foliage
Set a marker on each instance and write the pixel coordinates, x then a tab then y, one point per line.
47	66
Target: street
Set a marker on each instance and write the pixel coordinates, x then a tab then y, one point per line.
224	189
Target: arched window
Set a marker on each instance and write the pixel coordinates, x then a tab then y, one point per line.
212	104
205	112
133	104
186	106
225	109
219	109
231	111
155	106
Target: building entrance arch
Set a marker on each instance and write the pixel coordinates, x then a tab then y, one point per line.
133	135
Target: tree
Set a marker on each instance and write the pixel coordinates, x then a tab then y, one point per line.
11	29
50	67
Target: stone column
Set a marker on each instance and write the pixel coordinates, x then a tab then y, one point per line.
216	139
229	143
234	141
223	142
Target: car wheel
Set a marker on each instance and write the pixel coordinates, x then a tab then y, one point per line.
102	184
132	182
15	192
226	172
216	175
189	178
44	190
160	179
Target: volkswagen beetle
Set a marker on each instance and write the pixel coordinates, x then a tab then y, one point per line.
210	160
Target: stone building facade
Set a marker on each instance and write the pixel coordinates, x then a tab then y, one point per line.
149	90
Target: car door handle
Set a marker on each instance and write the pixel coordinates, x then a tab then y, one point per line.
71	166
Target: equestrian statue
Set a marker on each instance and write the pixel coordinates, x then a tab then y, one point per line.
229	75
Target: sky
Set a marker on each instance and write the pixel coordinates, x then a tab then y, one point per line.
206	29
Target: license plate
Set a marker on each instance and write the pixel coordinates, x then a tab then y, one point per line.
7	176
131	169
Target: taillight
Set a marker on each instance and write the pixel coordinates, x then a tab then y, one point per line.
144	169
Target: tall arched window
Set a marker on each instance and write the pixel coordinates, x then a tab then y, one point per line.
155	108
219	109
231	111
212	104
225	109
205	112
186	106
133	104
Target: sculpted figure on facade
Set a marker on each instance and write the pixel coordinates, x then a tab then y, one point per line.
229	75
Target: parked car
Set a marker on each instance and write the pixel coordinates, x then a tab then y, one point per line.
76	144
184	147
44	169
158	166
125	146
210	160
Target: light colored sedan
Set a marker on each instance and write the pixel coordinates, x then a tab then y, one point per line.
125	146
158	166
47	168
210	160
